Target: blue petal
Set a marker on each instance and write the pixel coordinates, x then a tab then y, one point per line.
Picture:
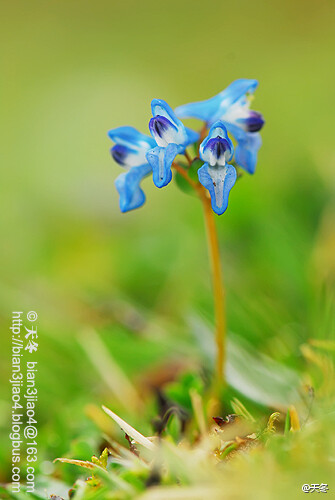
128	187
203	110
161	160
246	153
237	89
218	181
192	136
248	144
163	131
214	108
253	122
131	146
234	96
123	155
130	137
175	133
161	108
216	148
119	154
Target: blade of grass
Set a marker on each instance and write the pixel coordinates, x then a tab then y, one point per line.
198	410
109	370
128	429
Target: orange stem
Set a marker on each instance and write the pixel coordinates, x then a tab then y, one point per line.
188	158
218	290
203	132
184	173
215	263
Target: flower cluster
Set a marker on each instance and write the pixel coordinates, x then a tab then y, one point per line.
226	113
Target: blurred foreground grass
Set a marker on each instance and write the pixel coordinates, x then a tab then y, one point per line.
140	281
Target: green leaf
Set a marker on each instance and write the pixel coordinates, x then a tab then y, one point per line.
192	173
179	391
183	184
195	148
287	423
174	427
135	478
193	170
228	449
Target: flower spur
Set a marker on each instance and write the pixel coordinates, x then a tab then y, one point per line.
232	107
130	152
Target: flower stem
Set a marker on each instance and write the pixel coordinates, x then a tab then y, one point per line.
195	185
203	132
188	158
218	290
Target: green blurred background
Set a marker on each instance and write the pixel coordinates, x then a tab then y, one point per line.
72	70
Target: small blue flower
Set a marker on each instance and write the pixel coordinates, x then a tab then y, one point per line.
232	107
216	175
130	152
172	138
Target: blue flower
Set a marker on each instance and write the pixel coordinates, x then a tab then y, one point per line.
216	175
130	152
232	107
172	138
